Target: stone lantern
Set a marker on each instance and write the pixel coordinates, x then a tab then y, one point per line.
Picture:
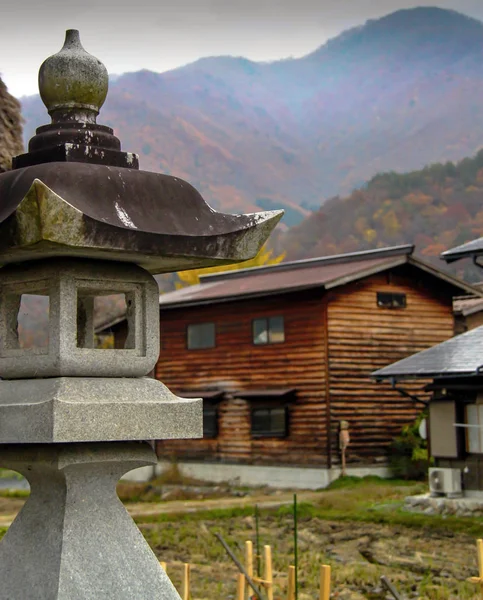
78	221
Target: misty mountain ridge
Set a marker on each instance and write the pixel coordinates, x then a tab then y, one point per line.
396	93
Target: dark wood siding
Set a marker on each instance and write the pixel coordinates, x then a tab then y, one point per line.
364	337
237	364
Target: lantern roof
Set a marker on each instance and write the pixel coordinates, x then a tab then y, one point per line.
75	193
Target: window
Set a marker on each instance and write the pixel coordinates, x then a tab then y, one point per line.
269	421
391	300
201	335
268	331
474	433
210	420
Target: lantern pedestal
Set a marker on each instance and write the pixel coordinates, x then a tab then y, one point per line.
74	539
94	409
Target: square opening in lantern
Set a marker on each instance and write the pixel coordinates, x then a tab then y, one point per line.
26	316
79	298
94	309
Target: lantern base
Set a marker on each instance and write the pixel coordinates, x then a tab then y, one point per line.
94	409
73	539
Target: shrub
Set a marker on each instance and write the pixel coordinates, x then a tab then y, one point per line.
408	453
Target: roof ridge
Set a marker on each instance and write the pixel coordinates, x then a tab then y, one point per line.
406	249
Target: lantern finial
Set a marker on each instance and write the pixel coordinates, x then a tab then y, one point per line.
73	84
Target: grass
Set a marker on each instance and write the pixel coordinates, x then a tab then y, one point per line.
8	474
10	493
358	526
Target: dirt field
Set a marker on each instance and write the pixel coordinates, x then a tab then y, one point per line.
430	565
360	530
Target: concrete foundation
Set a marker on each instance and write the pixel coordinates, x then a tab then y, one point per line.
309	478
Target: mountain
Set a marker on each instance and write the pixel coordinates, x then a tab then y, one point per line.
394	94
435	208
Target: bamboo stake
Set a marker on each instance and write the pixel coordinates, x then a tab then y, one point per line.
240	588
257	539
186	582
268	572
291	583
479	579
324	582
249	562
479	547
295	546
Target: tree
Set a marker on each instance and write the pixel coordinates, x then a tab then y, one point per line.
263	258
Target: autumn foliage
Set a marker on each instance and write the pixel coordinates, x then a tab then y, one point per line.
436	208
264	257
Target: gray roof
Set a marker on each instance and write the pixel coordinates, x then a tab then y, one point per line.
468	250
459	356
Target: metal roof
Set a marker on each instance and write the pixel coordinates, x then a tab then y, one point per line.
469	250
467	306
205	394
268	283
326	272
459	356
332	259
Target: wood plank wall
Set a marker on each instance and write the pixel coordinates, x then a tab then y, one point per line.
236	363
364	337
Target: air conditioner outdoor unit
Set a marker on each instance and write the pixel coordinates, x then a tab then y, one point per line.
445	482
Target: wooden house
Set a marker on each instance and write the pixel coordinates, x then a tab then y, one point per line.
283	354
455	409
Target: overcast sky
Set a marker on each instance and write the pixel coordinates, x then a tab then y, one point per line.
164	34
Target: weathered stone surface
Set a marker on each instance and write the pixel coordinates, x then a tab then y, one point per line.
461	507
156	221
73	86
73	78
74	540
71	409
71	286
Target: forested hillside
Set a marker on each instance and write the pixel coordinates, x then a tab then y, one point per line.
395	93
435	208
